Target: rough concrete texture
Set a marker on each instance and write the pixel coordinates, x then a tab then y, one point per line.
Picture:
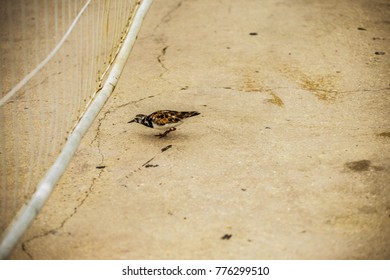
289	159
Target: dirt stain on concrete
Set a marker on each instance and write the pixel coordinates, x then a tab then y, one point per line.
358	166
251	84
321	86
362	165
366	209
384	134
275	99
353	220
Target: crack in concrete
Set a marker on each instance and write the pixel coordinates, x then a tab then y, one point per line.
168	15
165	19
97	138
134	102
160	59
259	90
98	131
75	209
322	90
61	226
346	91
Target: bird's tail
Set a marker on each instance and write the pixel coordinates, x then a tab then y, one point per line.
183	115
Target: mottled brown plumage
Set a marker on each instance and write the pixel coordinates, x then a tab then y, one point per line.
164	119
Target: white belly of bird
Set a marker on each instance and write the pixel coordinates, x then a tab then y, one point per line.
166	126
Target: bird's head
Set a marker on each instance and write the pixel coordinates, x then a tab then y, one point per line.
138	118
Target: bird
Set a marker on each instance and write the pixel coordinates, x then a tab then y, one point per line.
163	119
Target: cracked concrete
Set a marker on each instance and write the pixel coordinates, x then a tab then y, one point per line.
289	159
54	231
167	17
160	58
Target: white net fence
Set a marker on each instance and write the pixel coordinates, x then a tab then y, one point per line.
55	58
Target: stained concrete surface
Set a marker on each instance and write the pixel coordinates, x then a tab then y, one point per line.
289	159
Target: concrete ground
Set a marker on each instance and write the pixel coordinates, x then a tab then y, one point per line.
289	159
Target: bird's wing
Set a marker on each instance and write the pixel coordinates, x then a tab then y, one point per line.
165	117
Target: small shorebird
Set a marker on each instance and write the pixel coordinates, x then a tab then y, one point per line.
164	119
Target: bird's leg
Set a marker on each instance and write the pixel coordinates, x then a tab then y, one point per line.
166	132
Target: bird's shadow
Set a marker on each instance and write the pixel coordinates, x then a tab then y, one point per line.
173	136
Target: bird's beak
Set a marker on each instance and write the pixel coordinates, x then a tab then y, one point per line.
131	121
